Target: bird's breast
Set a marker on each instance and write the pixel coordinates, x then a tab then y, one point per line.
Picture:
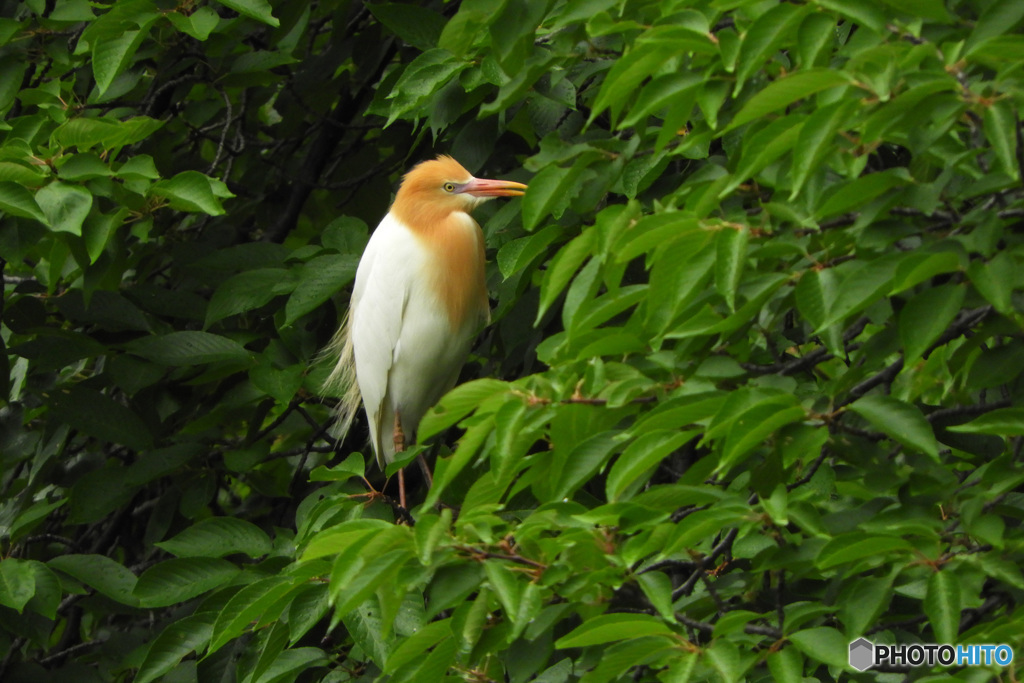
454	266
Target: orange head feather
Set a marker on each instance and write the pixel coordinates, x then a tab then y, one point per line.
434	189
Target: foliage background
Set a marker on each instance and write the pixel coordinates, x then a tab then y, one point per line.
753	388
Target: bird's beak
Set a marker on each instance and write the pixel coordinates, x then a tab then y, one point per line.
482	187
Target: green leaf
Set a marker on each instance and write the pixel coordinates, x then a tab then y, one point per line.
1000	125
505	585
434	665
658	589
352	583
458	403
181	579
996	366
786	91
306	610
318	280
857	546
192	191
99	572
861	12
17	201
776	505
731	254
17	583
768	32
48	591
116	36
346	235
217	537
667	90
179	639
139	166
22	174
925	317
816	294
920	267
753	426
929	9
199	24
863	601
584	460
65	206
562	268
676	229
860	191
616	660
996	19
1000	422
815	33
352	466
12	74
107	132
642	455
822	644
549	193
259	10
862	284
943	605
725	657
247	291
994	280
517	254
418	26
247	606
816	140
423	77
898	420
281	383
85	166
189	348
513	31
786	665
289	664
702	525
608	628
763	148
650	52
103	417
677	278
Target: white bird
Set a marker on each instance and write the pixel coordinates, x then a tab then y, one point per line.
418	301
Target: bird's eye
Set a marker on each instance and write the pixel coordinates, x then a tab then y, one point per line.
449	187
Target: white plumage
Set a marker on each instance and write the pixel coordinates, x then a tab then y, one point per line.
407	352
419	299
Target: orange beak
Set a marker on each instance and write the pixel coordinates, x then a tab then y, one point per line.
482	187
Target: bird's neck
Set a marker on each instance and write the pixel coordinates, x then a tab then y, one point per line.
455	266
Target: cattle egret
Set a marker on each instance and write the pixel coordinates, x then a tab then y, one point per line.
419	299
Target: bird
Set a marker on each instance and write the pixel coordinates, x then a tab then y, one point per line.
418	301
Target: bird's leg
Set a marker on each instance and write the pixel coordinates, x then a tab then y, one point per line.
399	437
401	489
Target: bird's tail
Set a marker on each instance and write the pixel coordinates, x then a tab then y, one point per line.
342	379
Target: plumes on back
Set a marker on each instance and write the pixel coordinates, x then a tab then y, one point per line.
342	379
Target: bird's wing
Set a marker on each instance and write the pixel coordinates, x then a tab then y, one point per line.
379	298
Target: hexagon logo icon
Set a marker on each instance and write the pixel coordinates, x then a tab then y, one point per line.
862	654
